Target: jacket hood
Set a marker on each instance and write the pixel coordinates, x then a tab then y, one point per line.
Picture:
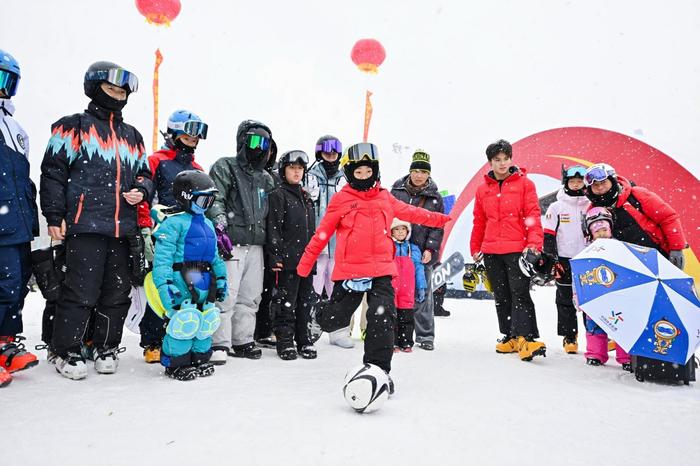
246	126
7	106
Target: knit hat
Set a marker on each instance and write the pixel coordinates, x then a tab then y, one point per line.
400	223
420	161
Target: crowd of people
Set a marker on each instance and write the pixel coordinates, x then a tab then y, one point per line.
271	251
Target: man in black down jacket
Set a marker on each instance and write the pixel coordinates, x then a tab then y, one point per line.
418	189
93	174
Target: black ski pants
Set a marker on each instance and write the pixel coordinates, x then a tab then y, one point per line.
514	306
97	278
403	337
567	326
381	318
292	300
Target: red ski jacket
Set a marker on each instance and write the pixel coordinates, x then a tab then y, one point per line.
361	221
651	218
506	215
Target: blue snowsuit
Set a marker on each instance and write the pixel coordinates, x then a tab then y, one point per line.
186	246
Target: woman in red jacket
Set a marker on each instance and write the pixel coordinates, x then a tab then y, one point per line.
506	224
360	215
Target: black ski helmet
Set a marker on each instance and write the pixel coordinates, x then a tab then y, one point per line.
193	187
319	146
292	157
357	155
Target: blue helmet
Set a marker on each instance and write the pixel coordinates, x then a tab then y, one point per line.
9	73
185	122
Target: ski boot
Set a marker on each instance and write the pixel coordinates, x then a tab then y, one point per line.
612	346
440	311
219	355
205	369
71	366
627	366
341	338
267	342
427	345
183	373
5	378
570	345
506	345
248	351
286	350
107	360
151	354
528	349
13	356
308	352
593	362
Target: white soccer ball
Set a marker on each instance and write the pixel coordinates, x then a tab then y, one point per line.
366	388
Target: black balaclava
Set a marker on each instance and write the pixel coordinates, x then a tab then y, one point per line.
609	199
331	168
103	100
571	192
257	157
362	185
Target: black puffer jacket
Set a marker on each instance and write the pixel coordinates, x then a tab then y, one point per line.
91	159
290	225
428	198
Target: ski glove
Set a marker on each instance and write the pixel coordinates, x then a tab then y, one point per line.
359	285
149	249
170	296
221	289
223	242
677	258
421	295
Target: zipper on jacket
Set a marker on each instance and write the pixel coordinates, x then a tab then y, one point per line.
80	208
117	157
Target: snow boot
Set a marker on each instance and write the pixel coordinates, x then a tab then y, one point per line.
267	342
107	360
308	352
205	369
427	345
219	355
506	345
440	311
151	354
570	345
406	349
341	338
50	355
593	362
71	366
528	349
248	351
183	373
5	378
13	356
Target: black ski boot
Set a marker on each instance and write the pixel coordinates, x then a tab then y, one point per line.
248	351
205	369
308	352
182	373
286	351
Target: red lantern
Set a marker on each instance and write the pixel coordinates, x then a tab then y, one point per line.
368	54
159	12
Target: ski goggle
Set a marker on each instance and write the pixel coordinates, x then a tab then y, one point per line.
116	76
8	82
255	141
295	157
576	171
204	199
597	173
360	152
330	145
194	128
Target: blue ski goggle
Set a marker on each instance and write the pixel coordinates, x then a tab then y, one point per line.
194	128
116	76
597	173
576	171
204	199
255	141
8	82
330	145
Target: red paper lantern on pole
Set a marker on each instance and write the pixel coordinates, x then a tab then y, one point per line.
160	12
368	54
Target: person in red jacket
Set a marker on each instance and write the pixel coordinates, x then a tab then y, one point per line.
506	225
641	216
360	215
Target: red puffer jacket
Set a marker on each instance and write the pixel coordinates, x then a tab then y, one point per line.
506	216
361	221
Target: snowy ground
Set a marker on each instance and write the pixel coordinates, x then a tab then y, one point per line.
461	404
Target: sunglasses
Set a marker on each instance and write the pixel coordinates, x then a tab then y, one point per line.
255	141
331	145
117	76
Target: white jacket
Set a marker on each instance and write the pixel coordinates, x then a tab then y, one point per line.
563	220
15	138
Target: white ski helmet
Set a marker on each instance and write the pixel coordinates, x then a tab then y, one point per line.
366	388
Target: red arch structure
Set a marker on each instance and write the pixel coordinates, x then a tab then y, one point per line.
544	153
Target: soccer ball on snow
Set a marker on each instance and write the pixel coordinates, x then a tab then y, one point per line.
366	388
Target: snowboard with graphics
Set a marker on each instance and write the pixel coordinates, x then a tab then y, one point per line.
448	269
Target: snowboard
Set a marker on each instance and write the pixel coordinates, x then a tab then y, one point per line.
448	269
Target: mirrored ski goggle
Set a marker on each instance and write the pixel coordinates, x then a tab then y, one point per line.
8	82
360	152
576	172
117	76
297	157
255	141
194	128
331	145
204	199
596	173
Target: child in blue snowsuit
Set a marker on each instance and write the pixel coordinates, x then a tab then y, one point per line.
409	284
189	276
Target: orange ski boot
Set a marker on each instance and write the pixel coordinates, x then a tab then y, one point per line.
5	378
13	356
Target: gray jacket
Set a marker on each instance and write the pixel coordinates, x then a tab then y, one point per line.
321	189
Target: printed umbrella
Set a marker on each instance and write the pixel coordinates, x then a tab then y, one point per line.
641	300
